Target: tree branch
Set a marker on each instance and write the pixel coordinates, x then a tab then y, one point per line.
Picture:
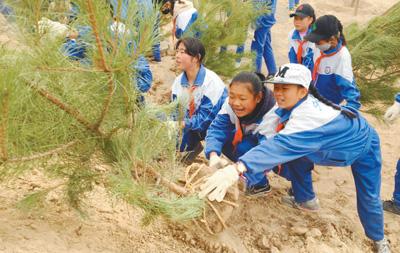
41	155
104	66
68	109
107	102
70	70
92	20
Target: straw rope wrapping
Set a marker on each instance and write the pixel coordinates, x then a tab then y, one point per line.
215	214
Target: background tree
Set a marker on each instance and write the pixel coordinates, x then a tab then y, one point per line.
64	116
376	55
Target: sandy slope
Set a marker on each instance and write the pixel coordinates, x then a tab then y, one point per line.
259	225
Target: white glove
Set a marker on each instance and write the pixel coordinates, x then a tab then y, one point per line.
217	184
52	28
393	111
119	29
216	162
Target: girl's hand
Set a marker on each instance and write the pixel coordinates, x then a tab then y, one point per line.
216	162
216	185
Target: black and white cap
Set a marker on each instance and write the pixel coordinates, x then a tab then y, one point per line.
292	73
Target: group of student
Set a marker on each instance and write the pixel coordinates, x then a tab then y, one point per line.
310	117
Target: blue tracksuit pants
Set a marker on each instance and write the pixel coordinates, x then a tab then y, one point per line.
239	51
367	177
293	3
156	48
262	46
191	139
299	173
396	193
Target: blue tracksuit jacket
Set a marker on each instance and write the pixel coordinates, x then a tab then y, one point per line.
326	137
309	50
335	79
208	96
184	21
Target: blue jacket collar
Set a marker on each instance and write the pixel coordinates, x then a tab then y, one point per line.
201	75
296	34
284	114
336	49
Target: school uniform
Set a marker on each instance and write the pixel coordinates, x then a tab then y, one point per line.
333	76
323	135
233	137
201	103
261	43
184	17
300	51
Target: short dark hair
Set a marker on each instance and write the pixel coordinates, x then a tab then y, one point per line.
193	46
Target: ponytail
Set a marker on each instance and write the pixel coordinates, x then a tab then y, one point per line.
313	91
341	34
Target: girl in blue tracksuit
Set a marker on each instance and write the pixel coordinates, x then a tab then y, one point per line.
333	73
324	133
393	205
262	44
300	50
235	130
199	91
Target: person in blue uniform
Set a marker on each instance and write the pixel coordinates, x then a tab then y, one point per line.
262	42
333	73
393	205
323	132
199	91
300	50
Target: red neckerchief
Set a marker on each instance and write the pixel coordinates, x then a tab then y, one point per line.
192	106
318	61
300	51
238	134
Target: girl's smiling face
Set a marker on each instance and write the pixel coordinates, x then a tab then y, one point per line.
287	95
241	98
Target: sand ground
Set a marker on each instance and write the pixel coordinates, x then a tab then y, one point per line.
259	225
